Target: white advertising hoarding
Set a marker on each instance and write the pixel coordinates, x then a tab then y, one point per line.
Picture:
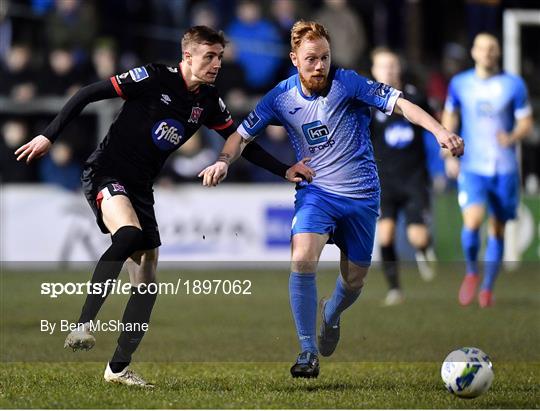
233	223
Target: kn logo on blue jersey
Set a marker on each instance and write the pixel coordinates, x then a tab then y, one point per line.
316	134
167	134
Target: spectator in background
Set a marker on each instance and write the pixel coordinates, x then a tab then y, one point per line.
187	162
6	31
203	14
284	13
259	46
453	61
59	167
62	77
71	24
348	33
276	141
231	83
13	133
16	76
104	60
482	16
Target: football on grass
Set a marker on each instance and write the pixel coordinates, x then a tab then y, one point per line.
467	372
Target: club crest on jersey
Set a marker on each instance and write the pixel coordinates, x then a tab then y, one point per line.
195	114
167	134
119	188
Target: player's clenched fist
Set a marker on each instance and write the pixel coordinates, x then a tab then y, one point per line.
300	171
36	148
451	142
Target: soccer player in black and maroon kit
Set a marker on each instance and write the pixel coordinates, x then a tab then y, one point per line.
398	146
164	107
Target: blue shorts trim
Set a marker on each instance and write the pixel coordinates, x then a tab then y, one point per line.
350	222
499	192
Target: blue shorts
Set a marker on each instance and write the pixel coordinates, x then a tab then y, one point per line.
500	192
350	222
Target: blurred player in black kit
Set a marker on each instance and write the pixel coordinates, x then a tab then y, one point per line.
164	107
401	161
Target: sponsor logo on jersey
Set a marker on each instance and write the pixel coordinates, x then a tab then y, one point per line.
195	114
138	74
165	99
399	135
316	134
252	119
167	134
294	110
172	69
382	90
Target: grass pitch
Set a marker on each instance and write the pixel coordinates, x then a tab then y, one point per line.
219	351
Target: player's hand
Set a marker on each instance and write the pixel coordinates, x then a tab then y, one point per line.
36	148
451	166
214	174
300	171
451	142
505	139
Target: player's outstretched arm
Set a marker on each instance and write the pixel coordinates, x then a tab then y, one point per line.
40	145
216	173
234	147
450	121
416	115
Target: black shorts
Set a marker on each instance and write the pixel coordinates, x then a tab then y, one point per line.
412	198
96	186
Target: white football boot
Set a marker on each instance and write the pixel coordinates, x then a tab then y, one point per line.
394	297
80	339
125	377
426	264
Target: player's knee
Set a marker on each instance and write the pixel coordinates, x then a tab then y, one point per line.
128	240
354	283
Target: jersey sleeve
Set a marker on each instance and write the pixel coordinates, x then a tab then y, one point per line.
220	118
370	92
452	102
135	82
522	107
262	116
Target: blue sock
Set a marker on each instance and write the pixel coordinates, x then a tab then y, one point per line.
493	257
470	241
303	297
341	299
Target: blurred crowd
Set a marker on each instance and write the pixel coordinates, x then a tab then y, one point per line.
50	48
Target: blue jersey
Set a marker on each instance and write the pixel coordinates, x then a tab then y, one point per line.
487	107
332	129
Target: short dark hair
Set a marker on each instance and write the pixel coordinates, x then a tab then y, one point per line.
202	35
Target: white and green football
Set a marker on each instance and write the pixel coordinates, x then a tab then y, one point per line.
467	372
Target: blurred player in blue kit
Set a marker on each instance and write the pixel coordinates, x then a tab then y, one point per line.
326	113
492	108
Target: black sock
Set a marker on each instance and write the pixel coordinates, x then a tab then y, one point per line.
138	310
390	265
125	242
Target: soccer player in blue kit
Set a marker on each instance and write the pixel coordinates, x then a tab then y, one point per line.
326	113
494	112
